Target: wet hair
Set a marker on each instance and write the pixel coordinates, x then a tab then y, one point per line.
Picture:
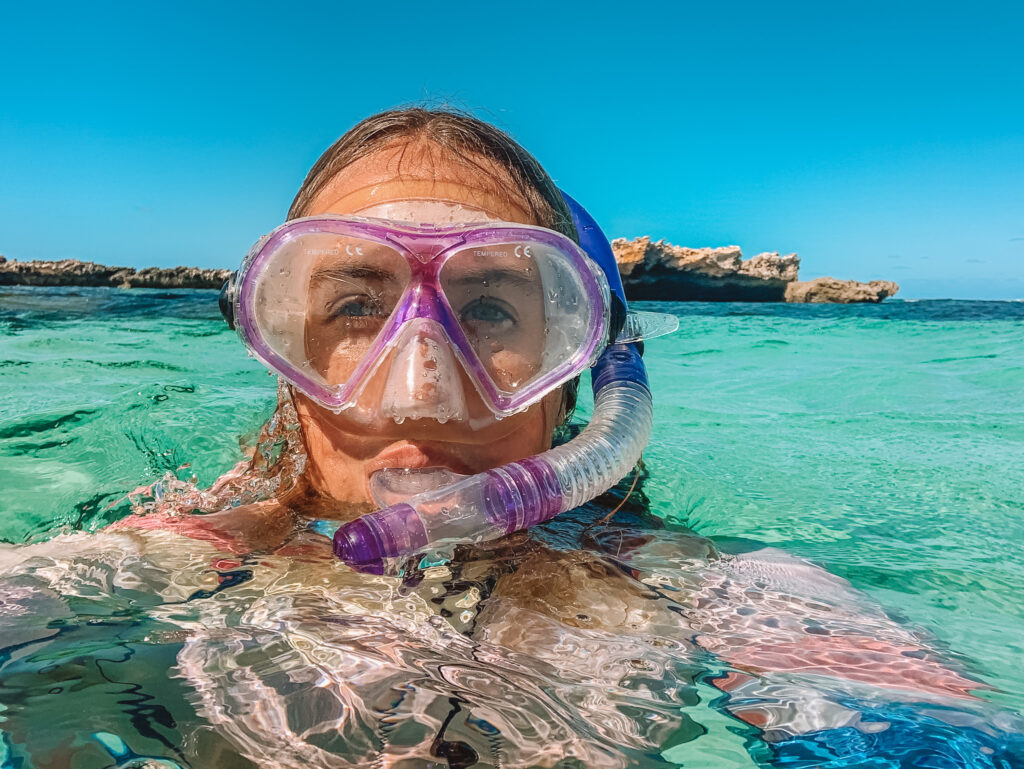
475	144
461	137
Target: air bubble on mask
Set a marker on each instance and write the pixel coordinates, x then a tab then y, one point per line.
398	419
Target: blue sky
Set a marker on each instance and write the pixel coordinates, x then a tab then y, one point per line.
878	140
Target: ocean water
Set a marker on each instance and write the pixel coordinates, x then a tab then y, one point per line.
884	443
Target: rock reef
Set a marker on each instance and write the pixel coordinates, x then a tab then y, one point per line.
650	270
72	272
839	291
656	270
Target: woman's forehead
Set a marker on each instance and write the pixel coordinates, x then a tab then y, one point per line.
421	172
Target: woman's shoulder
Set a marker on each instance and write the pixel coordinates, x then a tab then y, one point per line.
260	526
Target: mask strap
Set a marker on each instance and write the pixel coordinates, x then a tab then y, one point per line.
595	243
226	300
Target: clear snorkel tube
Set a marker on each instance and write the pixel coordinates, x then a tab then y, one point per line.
521	494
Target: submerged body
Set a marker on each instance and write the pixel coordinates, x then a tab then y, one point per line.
583	641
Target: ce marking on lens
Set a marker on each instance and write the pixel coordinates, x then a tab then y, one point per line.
521	251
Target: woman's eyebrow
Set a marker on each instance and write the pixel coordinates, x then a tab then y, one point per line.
345	272
498	275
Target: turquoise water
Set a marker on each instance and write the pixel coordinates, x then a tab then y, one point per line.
885	443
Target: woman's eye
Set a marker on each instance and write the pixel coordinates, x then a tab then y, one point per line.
488	311
356	307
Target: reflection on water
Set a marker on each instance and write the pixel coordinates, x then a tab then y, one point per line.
878	440
144	646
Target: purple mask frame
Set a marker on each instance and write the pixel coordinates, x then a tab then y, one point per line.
426	249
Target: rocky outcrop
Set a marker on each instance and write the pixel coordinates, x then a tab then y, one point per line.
656	270
839	291
660	270
71	272
650	270
175	277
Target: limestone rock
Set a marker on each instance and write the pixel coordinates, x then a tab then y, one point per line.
840	291
177	277
72	272
660	270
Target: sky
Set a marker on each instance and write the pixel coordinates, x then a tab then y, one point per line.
877	140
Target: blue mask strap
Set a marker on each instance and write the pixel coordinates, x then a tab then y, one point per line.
594	242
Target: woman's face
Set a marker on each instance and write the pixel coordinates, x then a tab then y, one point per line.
416	182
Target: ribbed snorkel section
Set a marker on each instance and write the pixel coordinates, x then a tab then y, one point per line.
520	494
607	448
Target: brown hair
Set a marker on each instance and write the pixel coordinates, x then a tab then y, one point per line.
463	137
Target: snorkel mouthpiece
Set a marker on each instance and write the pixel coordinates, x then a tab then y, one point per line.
477	508
521	494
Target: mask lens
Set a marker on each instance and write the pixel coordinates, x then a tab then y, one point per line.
323	299
522	306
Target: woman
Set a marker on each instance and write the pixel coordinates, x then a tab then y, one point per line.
375	394
579	642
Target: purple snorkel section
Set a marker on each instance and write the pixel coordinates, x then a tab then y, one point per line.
522	494
394	531
515	496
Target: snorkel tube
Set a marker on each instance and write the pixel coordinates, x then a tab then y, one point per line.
521	494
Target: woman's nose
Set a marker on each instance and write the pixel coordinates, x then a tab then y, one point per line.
424	381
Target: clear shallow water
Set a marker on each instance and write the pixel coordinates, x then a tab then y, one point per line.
884	442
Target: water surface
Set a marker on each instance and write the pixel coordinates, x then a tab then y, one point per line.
884	442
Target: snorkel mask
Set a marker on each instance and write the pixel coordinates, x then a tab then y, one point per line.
469	323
